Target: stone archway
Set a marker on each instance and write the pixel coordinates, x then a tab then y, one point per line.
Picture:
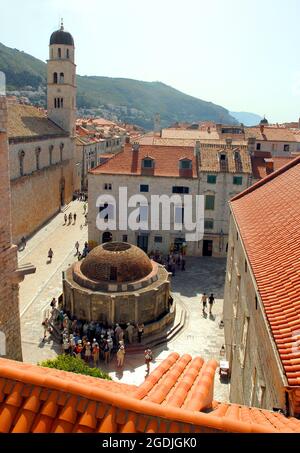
106	237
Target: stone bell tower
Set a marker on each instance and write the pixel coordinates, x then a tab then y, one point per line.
61	80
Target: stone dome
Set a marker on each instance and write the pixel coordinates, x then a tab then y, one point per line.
116	262
61	37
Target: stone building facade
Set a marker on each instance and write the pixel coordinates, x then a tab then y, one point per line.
166	177
218	172
44	171
262	293
10	275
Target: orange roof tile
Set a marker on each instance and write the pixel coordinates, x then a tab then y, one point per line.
271	133
259	167
172	399
166	158
268	216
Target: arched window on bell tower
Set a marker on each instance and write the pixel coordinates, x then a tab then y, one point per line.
55	77
61	77
68	53
59	52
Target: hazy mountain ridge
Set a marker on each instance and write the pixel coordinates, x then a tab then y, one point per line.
120	99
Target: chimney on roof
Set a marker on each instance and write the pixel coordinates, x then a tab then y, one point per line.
197	150
228	141
135	146
269	165
251	145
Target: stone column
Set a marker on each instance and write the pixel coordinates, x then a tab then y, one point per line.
9	289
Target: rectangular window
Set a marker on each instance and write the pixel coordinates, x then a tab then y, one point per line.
144	188
286	148
238	180
125	238
179	214
208	224
211	179
108	213
107	186
147	163
180	189
143	213
185	164
258	145
210	202
158	239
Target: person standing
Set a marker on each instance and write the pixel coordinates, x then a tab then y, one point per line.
70	218
96	352
84	208
130	330
211	301
106	352
140	328
148	359
87	354
74	217
66	219
204	302
77	247
120	355
50	255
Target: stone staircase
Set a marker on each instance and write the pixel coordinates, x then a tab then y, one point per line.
164	336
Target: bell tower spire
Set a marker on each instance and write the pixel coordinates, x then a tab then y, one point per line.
61	80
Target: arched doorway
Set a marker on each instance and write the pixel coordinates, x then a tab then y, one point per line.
62	191
106	237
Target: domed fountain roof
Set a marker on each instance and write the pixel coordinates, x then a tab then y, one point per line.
116	262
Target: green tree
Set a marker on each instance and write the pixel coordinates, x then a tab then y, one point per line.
75	365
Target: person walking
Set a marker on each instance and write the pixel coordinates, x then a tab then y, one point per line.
74	217
50	255
70	218
120	355
148	359
77	247
204	302
84	208
66	219
46	326
53	302
211	301
140	328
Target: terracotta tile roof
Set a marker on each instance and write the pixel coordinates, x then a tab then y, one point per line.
237	159
271	133
176	397
259	164
166	158
30	122
268	217
190	134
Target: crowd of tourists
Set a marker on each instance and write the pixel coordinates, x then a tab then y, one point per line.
91	341
172	262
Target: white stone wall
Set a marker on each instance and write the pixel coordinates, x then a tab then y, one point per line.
157	186
277	148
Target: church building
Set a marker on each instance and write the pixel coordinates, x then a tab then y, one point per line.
43	170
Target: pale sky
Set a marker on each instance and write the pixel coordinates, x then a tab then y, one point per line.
241	54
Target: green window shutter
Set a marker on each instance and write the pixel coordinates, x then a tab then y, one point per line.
238	180
210	202
212	179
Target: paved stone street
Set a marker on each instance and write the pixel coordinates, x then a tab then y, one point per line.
201	335
37	289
